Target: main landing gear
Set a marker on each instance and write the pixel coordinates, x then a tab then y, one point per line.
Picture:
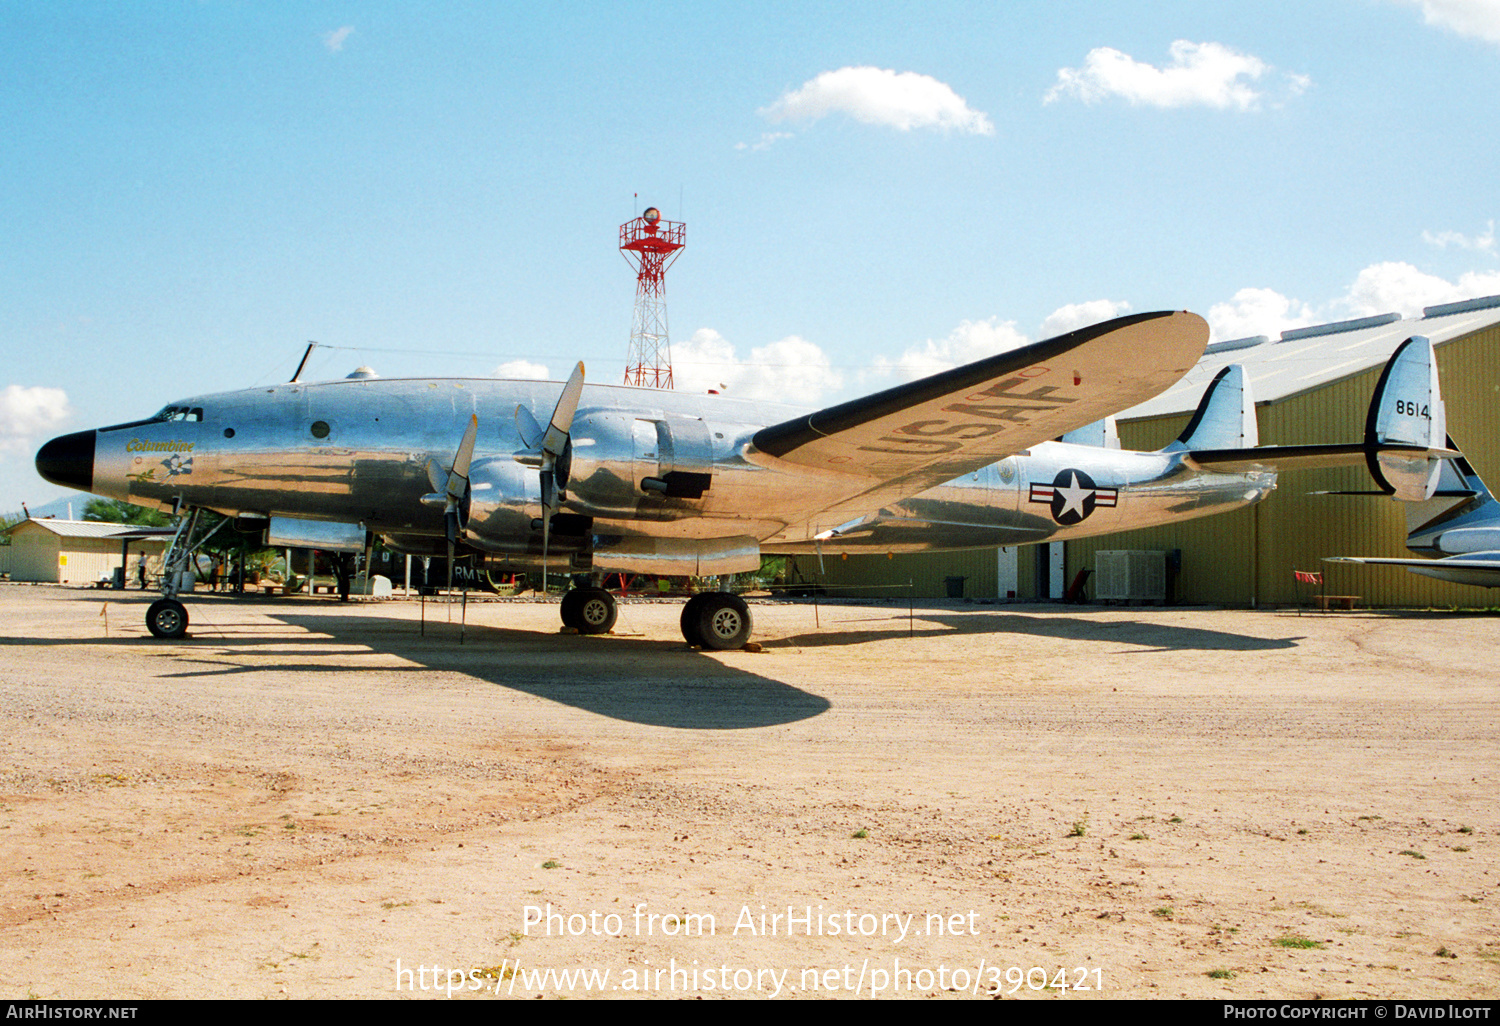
714	620
589	610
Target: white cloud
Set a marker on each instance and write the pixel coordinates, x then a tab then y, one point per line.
1477	18
1483	243
28	412
1200	75
1400	287
335	40
876	96
1081	315
970	341
791	370
1389	287
1258	312
522	370
766	140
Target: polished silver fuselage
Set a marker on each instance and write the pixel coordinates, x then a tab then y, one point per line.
359	452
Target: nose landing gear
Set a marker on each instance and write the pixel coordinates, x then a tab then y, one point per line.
167	618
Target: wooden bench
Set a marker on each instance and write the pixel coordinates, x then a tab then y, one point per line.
1327	602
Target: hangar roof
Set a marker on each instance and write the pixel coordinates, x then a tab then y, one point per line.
88	528
1307	358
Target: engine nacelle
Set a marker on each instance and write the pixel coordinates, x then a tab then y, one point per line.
505	512
623	465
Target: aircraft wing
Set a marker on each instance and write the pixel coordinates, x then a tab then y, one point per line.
918	435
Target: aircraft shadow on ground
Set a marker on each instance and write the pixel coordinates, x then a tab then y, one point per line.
1142	636
657	683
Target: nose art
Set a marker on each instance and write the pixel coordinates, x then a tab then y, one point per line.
68	460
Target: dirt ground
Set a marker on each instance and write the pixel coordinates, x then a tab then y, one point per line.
308	799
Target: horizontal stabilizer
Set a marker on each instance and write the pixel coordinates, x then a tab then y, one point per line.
1305	457
1479	570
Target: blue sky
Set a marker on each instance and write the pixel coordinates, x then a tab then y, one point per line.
192	191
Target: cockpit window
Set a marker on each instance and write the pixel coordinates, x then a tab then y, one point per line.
165	415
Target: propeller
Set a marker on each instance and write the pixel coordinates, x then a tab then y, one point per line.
451	490
545	447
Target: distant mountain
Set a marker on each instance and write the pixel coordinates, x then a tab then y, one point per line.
60	507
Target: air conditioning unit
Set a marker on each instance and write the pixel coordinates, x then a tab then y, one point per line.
1130	575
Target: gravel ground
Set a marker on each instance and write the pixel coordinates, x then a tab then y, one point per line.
308	799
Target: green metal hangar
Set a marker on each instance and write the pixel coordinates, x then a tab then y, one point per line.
1311	385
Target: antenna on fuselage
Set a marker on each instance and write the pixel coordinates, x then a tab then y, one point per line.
310	347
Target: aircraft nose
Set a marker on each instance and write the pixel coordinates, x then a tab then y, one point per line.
68	460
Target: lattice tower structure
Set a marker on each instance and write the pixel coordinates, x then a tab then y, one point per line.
650	245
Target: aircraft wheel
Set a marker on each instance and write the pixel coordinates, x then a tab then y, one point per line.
595	610
690	632
569	609
723	621
167	618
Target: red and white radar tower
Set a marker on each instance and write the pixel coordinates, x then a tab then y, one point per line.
650	244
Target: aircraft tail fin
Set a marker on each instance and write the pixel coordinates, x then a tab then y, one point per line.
1407	411
1404	430
1102	434
1225	417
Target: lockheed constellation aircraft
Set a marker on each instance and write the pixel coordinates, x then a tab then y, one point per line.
662	482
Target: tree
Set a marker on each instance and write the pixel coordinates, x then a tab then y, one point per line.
113	511
225	543
9	520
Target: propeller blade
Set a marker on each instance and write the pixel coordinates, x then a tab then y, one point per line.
526	426
458	477
544	448
562	417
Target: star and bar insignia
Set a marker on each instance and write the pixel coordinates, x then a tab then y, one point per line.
1073	496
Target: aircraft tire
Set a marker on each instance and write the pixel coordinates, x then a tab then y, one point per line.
690	621
722	621
569	609
595	610
167	618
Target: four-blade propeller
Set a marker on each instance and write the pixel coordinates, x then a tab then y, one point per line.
545	449
451	491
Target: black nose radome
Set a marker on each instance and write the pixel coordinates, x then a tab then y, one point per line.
69	460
